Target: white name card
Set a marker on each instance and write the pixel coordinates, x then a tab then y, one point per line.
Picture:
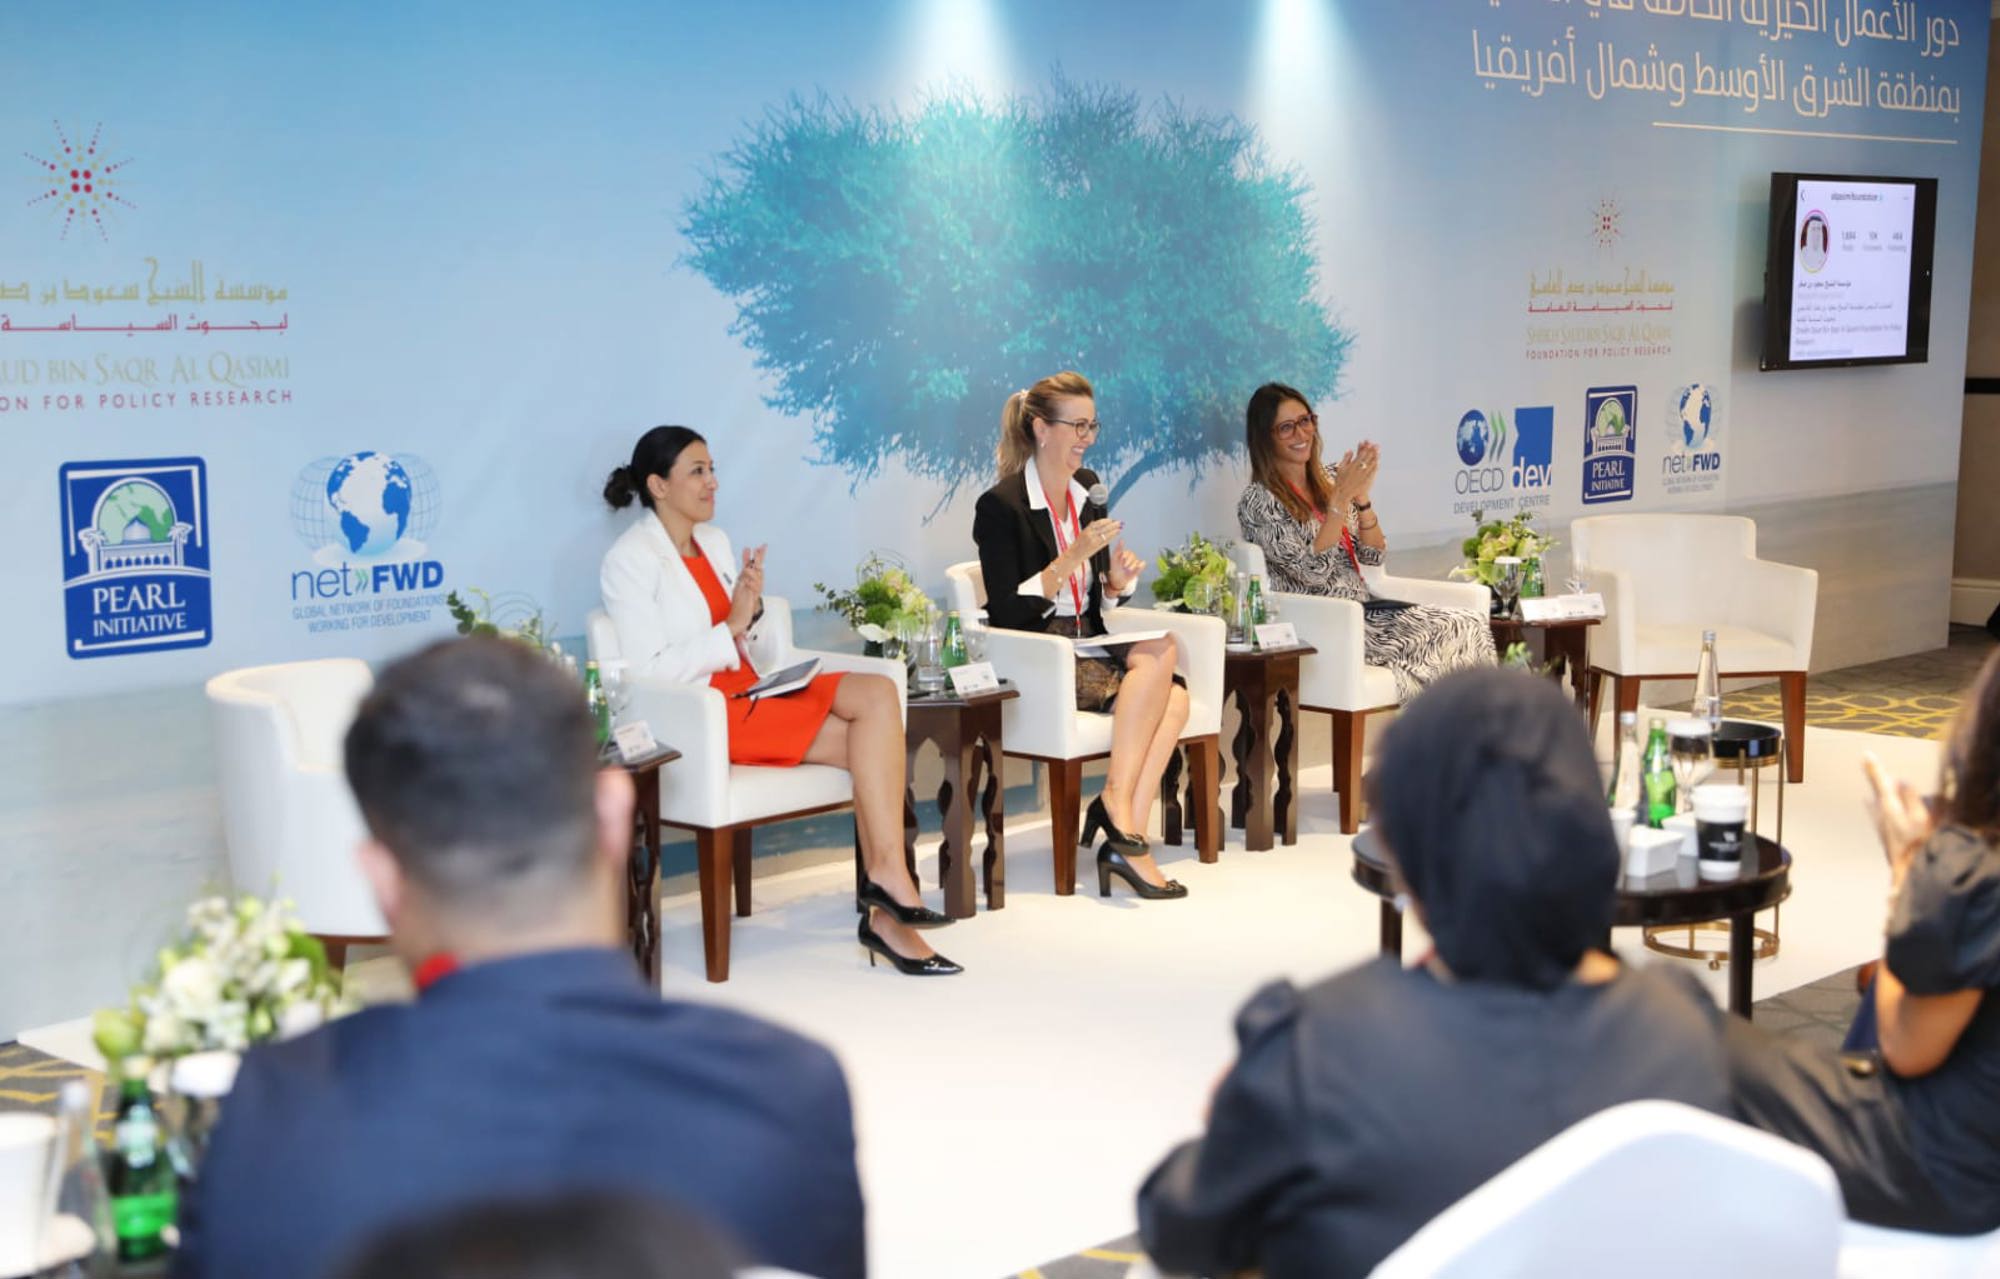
1562	608
634	740
973	677
1277	635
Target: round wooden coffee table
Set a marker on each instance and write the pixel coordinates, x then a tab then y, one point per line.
1678	896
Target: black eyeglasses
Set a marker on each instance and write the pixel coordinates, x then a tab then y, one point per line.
1086	428
1292	429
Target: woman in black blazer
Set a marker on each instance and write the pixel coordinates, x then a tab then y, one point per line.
1047	554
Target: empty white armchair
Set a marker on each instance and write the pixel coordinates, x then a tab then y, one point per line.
719	801
1649	1188
288	818
1337	679
1044	725
1667	578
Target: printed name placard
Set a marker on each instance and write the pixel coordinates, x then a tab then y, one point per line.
973	677
634	740
1562	608
1277	635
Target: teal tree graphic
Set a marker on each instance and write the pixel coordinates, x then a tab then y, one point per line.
900	274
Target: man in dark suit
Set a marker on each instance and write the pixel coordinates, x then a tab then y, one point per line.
534	1059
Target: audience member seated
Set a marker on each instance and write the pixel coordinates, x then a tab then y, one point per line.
534	1059
1915	1140
1361	1107
583	1236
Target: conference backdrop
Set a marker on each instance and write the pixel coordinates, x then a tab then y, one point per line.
310	315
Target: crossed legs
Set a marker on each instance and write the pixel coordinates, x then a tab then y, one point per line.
1146	724
864	735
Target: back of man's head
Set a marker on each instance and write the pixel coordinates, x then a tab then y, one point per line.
474	762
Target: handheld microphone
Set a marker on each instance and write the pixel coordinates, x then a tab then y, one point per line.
1100	495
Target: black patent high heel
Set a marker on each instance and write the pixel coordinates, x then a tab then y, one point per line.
1097	819
1112	861
932	966
869	893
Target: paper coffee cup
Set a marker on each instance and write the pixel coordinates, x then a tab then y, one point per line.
27	1162
1719	812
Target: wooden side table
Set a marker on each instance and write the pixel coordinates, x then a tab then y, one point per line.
642	871
966	731
1563	646
1265	684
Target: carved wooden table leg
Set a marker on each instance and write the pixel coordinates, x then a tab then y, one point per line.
1285	755
989	759
642	907
1170	799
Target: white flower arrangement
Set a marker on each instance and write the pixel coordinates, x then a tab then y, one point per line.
242	972
885	600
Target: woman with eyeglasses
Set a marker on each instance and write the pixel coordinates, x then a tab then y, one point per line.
685	610
1049	557
1318	527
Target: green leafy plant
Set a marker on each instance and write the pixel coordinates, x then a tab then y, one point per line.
884	599
900	271
1516	657
1188	571
1496	538
241	972
517	620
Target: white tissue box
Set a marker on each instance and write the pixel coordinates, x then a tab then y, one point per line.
1651	852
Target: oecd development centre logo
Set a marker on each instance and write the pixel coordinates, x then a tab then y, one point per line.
1482	451
135	556
1610	443
368	519
1532	472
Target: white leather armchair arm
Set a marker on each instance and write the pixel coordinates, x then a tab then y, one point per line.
315	804
1777	600
1201	640
1042	721
1330	678
1617	635
1438	592
690	718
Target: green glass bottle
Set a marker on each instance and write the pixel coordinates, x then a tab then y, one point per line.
138	1174
600	705
1658	774
954	641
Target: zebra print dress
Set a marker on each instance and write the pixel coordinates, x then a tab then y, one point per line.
1418	643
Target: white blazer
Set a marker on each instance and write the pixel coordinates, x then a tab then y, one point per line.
660	614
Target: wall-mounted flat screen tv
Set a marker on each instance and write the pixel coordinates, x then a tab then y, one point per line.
1847	276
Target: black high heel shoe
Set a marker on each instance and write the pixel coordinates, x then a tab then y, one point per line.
1112	861
870	893
934	966
1098	819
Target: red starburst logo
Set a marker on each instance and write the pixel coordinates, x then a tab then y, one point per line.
1604	223
81	182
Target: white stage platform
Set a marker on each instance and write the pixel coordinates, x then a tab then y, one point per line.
1007	1116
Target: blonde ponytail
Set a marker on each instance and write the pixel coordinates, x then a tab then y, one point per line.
1017	417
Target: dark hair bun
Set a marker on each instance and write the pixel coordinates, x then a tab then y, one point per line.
619	490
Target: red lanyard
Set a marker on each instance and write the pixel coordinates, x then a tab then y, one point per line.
434	970
1346	538
1062	546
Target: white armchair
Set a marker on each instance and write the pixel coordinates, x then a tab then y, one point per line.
719	801
1044	725
1667	578
1337	679
288	818
1593	1199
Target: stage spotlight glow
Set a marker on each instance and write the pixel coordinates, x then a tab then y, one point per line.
960	44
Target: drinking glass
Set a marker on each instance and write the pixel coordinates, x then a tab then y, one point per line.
927	659
1199	596
1691	744
616	692
975	643
1507	582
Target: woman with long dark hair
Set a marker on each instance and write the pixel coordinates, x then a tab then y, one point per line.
1914	1134
1318	527
684	609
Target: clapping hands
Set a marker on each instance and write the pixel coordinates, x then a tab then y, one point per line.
748	596
1354	477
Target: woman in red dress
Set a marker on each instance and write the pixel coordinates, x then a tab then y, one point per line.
684	610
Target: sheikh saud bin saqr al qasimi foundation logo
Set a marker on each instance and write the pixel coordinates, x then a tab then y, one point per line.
78	181
135	556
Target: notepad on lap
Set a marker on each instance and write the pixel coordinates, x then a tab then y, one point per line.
778	683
